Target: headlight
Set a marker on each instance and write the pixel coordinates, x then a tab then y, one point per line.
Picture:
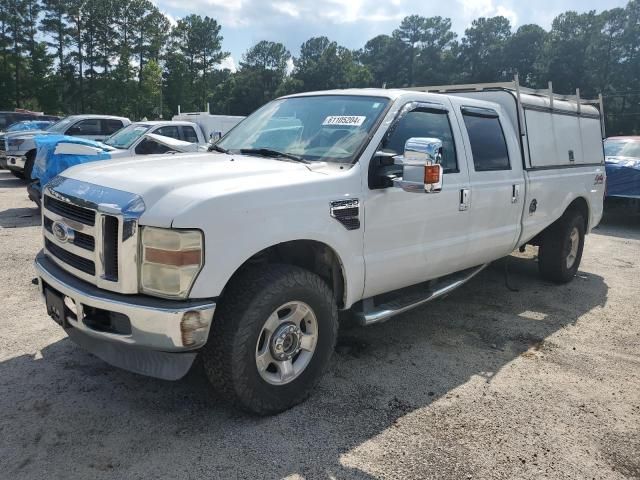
14	144
170	261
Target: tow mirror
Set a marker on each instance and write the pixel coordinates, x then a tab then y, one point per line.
422	171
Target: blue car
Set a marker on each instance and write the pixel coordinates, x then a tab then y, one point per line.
622	162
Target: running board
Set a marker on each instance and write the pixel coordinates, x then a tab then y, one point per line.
383	307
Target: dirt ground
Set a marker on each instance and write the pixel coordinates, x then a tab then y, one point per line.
543	382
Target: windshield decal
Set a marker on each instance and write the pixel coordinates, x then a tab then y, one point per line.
345	120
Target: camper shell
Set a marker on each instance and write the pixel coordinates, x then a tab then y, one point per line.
554	130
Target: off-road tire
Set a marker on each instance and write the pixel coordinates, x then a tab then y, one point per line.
555	247
229	356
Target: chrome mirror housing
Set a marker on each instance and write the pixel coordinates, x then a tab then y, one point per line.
421	168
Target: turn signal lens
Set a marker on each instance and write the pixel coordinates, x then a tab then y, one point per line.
431	174
173	258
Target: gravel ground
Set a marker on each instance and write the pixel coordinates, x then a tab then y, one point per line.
486	383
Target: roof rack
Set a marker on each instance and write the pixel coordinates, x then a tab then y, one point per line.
518	89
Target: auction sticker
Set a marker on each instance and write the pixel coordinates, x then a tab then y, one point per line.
344	120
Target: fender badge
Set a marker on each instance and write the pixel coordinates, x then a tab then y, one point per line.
533	206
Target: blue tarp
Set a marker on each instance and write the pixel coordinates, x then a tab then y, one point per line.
48	164
623	177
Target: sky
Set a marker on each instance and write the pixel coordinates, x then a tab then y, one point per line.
352	22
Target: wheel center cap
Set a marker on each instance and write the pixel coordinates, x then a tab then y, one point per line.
285	342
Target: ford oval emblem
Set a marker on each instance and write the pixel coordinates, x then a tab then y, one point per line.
62	232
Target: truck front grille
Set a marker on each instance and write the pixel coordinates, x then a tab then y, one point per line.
75	261
85	241
110	238
81	240
96	242
70	211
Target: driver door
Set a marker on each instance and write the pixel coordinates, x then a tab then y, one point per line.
413	237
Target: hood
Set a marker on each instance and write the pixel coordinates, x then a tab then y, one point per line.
631	162
623	176
171	183
25	134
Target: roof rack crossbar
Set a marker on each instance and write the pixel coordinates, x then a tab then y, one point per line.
512	85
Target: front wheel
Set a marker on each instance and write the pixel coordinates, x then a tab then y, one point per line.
28	165
271	338
561	248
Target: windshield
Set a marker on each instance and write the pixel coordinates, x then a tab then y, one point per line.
127	136
320	128
61	125
622	148
29	125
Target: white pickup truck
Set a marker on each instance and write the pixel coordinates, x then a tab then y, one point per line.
373	201
20	147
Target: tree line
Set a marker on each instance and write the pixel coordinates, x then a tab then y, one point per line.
125	57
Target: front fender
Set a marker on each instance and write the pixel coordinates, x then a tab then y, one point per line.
238	226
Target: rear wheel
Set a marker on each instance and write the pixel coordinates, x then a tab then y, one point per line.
561	248
272	338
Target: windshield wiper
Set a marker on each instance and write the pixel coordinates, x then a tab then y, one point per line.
217	149
267	152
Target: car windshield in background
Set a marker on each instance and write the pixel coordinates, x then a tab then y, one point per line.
622	148
127	136
329	128
61	125
29	125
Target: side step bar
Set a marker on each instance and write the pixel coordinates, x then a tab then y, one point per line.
400	301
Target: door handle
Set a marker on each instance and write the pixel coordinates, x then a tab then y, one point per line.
465	193
515	193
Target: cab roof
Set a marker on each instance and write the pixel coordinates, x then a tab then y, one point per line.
164	122
391	93
88	116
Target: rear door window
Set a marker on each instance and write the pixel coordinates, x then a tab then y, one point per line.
169	131
111	126
189	134
488	144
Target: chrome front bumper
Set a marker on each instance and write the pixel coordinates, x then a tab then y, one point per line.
16	162
159	337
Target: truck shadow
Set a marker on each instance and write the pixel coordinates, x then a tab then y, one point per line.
20	217
8	180
68	408
621	224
